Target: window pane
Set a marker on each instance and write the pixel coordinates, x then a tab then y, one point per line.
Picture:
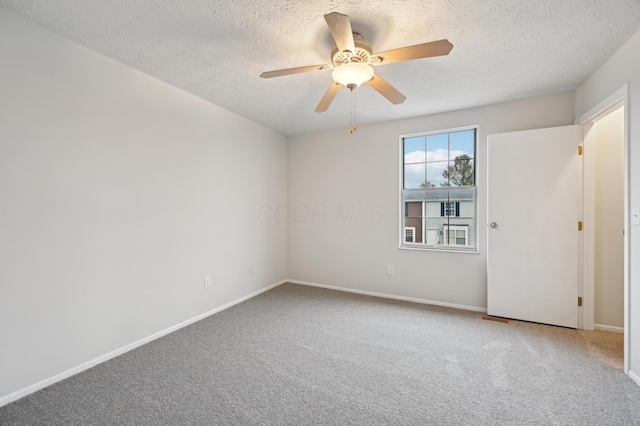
434	173
448	216
414	175
413	220
466	199
460	172
462	143
438	147
414	150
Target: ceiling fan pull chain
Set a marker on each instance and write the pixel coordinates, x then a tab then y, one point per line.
353	111
355	107
351	128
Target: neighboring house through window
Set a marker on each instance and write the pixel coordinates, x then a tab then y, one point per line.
439	189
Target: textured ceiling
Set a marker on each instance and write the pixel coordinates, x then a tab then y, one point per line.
216	49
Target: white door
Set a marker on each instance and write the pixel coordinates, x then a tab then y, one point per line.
533	211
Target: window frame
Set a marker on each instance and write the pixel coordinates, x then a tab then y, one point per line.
401	174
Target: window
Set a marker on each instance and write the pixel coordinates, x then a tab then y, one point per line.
409	234
456	234
438	189
450	208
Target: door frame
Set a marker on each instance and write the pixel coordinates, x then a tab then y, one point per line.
618	98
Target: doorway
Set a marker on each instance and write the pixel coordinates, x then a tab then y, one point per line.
605	257
609	221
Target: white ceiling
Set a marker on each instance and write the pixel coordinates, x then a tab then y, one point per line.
216	49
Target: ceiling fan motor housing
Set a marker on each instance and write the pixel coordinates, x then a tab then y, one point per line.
362	53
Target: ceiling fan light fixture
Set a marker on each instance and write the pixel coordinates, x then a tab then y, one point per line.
352	73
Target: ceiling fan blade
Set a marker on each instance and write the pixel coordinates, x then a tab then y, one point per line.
340	27
418	51
386	90
289	71
328	97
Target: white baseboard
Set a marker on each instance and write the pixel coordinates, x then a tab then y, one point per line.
608	328
391	296
634	377
85	366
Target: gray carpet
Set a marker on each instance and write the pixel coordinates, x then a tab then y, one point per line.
306	356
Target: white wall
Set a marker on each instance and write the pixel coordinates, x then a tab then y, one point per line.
118	194
609	220
623	67
344	205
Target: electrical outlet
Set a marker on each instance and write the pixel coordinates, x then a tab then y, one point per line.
207	282
389	269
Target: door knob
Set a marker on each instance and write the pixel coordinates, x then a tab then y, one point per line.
493	225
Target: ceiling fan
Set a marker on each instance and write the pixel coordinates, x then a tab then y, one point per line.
352	60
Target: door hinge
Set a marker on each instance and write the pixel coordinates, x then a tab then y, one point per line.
579	301
580	226
580	150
